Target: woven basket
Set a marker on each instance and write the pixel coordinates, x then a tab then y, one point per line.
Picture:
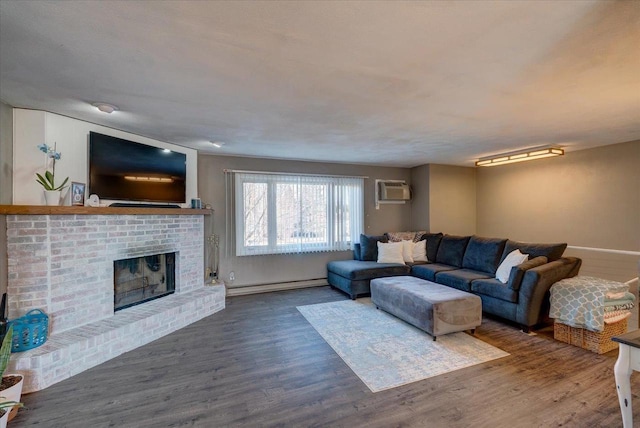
598	342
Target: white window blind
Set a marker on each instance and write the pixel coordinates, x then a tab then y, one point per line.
284	213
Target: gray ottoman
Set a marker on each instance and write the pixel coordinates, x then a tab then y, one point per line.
434	308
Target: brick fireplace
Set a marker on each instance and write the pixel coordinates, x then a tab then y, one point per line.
64	265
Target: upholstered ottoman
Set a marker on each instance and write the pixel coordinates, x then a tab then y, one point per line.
434	308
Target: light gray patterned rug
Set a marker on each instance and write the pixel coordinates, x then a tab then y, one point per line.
385	352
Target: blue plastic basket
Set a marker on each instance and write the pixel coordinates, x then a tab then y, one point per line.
29	331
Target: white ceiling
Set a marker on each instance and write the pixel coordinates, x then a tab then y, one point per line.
388	83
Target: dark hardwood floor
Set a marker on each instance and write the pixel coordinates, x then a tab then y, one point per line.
259	363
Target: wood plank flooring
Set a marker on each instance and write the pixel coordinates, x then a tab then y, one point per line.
259	363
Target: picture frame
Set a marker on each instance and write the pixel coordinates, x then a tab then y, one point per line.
77	193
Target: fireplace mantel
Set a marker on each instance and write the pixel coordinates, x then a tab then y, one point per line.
78	210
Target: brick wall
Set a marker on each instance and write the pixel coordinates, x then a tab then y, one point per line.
63	264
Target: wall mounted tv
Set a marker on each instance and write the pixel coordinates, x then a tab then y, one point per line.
128	171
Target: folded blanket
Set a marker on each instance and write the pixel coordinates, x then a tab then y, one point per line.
618	306
614	296
614	317
579	301
619	296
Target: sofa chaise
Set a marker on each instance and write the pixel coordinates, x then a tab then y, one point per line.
467	263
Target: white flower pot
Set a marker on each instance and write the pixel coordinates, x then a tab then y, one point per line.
4	419
52	197
12	394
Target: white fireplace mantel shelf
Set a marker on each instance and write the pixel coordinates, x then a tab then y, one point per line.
79	210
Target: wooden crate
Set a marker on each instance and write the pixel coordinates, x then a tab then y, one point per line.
598	342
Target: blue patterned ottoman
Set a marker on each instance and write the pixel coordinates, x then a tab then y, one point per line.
434	308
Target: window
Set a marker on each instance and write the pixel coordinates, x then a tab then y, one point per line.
283	213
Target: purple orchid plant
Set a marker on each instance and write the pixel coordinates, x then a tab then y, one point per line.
48	180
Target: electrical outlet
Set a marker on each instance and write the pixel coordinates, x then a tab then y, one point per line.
232	276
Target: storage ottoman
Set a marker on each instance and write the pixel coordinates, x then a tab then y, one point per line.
434	308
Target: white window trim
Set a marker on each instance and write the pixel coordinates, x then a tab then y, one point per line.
334	243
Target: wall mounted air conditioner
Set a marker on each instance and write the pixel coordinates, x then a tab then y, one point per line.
394	191
391	192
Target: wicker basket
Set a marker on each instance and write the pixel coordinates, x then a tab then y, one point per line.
598	342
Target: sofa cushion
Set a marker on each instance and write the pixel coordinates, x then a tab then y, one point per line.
433	242
429	270
451	250
517	272
550	251
483	254
357	270
369	246
459	278
493	288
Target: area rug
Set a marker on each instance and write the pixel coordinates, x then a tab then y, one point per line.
384	351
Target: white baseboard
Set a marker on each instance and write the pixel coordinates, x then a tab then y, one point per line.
281	286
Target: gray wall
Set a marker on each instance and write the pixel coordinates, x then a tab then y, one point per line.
6	153
253	270
452	199
6	183
420	198
587	198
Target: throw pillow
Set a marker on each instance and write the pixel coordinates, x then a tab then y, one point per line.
513	259
400	236
407	251
368	247
390	252
420	251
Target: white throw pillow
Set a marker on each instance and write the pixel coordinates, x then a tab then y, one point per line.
420	251
390	252
407	251
513	259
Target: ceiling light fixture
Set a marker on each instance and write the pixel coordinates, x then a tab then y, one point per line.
106	108
532	154
217	144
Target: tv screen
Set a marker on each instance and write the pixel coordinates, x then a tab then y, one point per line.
128	171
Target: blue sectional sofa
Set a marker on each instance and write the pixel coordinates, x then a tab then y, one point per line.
468	263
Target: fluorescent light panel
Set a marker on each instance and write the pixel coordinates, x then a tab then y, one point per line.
520	157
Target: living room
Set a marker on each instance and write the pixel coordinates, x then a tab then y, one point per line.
587	198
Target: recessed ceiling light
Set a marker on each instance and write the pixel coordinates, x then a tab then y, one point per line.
106	108
217	144
166	150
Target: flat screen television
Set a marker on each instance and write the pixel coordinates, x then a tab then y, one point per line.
128	171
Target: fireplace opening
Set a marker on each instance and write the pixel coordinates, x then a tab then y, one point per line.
140	279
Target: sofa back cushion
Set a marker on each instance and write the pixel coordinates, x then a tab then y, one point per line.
433	242
369	247
451	250
551	251
483	254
